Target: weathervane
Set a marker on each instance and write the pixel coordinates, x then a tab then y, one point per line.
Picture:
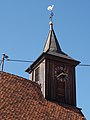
50	8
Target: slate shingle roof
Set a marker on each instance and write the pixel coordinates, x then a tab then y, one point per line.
52	42
21	99
52	46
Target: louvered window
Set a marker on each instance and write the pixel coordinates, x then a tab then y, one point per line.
60	91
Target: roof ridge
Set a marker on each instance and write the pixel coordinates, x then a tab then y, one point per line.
20	78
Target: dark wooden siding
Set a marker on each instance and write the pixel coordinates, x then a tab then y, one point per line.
61	91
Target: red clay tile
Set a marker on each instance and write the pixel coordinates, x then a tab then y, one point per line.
21	99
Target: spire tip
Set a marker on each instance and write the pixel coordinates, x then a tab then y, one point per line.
50	8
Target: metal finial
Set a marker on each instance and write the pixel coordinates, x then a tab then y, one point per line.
50	8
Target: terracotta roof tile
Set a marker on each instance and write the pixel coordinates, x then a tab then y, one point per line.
21	99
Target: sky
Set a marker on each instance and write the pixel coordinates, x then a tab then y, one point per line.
24	26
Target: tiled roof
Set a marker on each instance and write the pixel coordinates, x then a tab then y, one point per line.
21	99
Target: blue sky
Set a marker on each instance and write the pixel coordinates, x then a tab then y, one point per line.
24	26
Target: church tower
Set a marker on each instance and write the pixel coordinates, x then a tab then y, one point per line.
54	71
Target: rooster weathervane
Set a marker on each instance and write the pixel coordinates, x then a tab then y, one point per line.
50	8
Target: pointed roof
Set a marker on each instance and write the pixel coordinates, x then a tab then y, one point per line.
52	48
52	42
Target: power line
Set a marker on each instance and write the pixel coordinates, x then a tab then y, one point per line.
84	65
12	60
29	61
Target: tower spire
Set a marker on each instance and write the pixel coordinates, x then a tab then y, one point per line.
51	42
55	71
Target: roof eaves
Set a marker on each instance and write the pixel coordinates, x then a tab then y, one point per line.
35	63
63	56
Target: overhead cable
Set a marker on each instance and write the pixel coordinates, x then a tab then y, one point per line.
30	61
12	60
84	65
